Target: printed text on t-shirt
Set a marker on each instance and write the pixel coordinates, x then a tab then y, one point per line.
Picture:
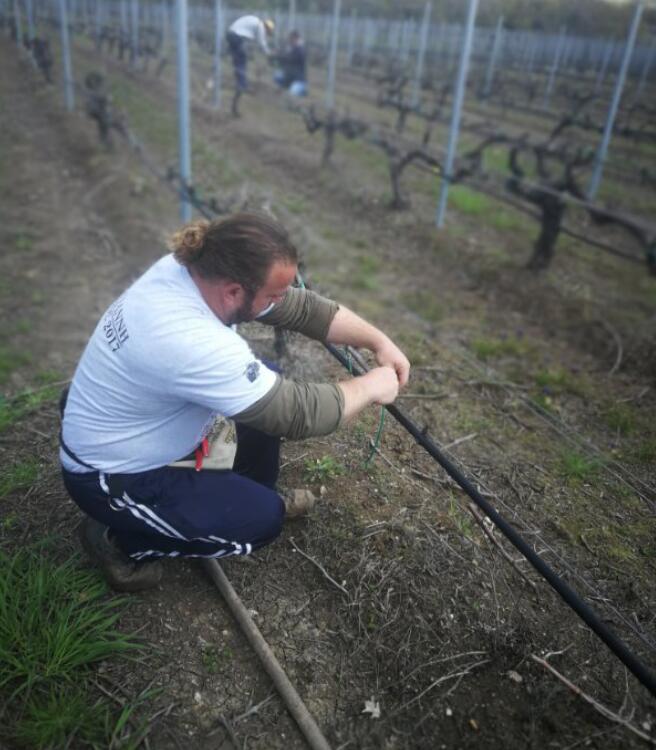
116	332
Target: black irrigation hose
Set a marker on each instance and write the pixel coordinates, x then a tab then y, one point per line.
586	613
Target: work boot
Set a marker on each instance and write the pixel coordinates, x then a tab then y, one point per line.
121	573
298	503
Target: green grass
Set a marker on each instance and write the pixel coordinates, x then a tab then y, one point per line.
10	360
415	347
18	477
487	348
14	409
553	379
23	325
506	221
578	468
23	242
646	452
495	159
424	304
160	131
560	381
368	157
56	622
468	201
322	469
214	166
365	274
295	204
621	418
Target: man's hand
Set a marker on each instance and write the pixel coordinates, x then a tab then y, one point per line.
389	355
349	328
378	386
383	384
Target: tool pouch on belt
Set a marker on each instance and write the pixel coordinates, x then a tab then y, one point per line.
216	453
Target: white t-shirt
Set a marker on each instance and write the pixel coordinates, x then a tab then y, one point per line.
251	27
156	372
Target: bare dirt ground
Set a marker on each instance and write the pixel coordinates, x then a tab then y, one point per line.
429	620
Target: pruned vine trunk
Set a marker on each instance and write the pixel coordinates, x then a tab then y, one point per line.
553	212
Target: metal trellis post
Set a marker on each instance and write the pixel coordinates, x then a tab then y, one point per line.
183	109
496	46
608	53
646	68
600	156
134	27
330	89
560	46
291	18
423	40
218	32
458	98
19	26
98	17
351	37
69	94
29	8
165	26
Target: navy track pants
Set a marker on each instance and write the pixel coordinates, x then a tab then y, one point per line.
174	512
239	59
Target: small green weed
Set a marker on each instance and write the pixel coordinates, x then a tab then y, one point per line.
488	348
9	522
576	467
461	521
215	658
322	469
544	401
621	418
553	379
18	477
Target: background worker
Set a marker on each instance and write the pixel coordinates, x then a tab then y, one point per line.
164	361
247	29
293	65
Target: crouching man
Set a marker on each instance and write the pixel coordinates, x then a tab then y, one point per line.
163	362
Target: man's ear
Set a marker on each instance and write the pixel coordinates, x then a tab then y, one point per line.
234	292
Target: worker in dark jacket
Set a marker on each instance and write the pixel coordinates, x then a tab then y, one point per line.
293	63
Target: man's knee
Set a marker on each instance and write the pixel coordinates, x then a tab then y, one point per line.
270	520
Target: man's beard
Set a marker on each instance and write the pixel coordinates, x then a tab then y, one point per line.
244	312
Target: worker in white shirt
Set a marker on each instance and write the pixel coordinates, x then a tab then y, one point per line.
245	29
